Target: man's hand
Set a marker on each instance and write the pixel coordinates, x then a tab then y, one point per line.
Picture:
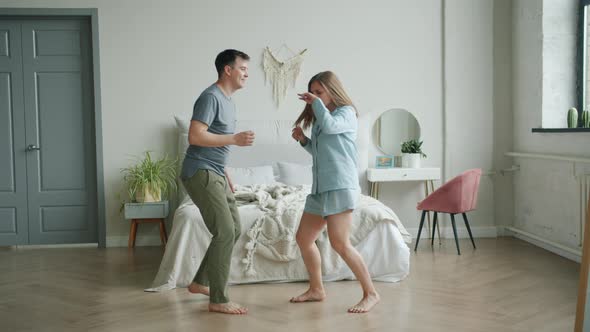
245	138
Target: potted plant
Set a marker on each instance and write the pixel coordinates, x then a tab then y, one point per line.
411	153
149	179
572	118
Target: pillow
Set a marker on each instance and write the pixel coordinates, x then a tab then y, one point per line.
294	174
182	123
251	175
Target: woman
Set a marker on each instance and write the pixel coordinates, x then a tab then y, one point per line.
335	189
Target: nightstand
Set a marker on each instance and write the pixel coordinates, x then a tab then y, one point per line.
144	213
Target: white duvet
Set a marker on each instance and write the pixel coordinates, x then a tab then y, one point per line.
267	252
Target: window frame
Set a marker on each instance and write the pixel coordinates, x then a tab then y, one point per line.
581	57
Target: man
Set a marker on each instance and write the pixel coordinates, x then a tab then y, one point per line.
203	175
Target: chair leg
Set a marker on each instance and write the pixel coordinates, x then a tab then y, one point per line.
420	229
433	228
469	229
455	232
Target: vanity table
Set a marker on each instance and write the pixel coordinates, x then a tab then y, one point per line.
390	129
376	176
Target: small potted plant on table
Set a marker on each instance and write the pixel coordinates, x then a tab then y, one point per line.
412	153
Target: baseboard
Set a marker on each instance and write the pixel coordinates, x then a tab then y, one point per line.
112	241
51	246
556	248
502	231
447	232
140	241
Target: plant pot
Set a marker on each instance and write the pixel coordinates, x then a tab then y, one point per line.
411	160
146	195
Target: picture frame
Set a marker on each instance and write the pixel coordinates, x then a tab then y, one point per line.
384	161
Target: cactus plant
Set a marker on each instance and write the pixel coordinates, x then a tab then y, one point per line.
572	118
586	119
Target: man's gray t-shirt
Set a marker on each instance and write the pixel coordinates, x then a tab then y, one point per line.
218	111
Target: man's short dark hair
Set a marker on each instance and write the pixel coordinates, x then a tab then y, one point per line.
228	58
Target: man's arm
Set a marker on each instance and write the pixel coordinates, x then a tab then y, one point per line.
198	135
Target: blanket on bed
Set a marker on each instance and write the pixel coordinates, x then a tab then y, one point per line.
272	235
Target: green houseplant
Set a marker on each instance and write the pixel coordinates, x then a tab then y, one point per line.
411	153
150	178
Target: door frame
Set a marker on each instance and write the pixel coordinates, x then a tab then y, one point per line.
92	15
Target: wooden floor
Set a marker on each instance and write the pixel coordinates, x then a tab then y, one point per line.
505	285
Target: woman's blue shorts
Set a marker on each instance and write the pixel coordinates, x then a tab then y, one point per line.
332	202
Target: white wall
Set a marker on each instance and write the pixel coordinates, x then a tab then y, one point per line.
469	100
503	113
546	193
156	57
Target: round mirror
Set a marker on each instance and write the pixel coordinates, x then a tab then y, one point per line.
393	128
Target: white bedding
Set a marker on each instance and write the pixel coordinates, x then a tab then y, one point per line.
377	234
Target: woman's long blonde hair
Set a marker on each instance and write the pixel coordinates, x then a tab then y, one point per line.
334	88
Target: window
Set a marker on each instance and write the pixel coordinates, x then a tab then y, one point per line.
565	39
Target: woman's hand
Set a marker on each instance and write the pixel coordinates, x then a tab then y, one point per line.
298	135
307	97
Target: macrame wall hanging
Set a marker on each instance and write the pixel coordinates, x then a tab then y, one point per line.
281	73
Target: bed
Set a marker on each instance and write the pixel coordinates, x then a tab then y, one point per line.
271	180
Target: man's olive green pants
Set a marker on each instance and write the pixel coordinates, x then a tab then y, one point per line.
211	194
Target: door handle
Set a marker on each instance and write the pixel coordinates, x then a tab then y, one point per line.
32	147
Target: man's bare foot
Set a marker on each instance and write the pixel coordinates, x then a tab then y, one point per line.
228	308
312	295
198	289
366	304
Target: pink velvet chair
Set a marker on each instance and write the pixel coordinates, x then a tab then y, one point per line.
459	195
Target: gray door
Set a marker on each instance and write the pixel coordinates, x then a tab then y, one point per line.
13	177
58	148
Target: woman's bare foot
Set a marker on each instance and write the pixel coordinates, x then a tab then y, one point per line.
198	289
366	304
228	308
312	295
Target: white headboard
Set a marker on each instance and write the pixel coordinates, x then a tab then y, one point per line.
274	143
